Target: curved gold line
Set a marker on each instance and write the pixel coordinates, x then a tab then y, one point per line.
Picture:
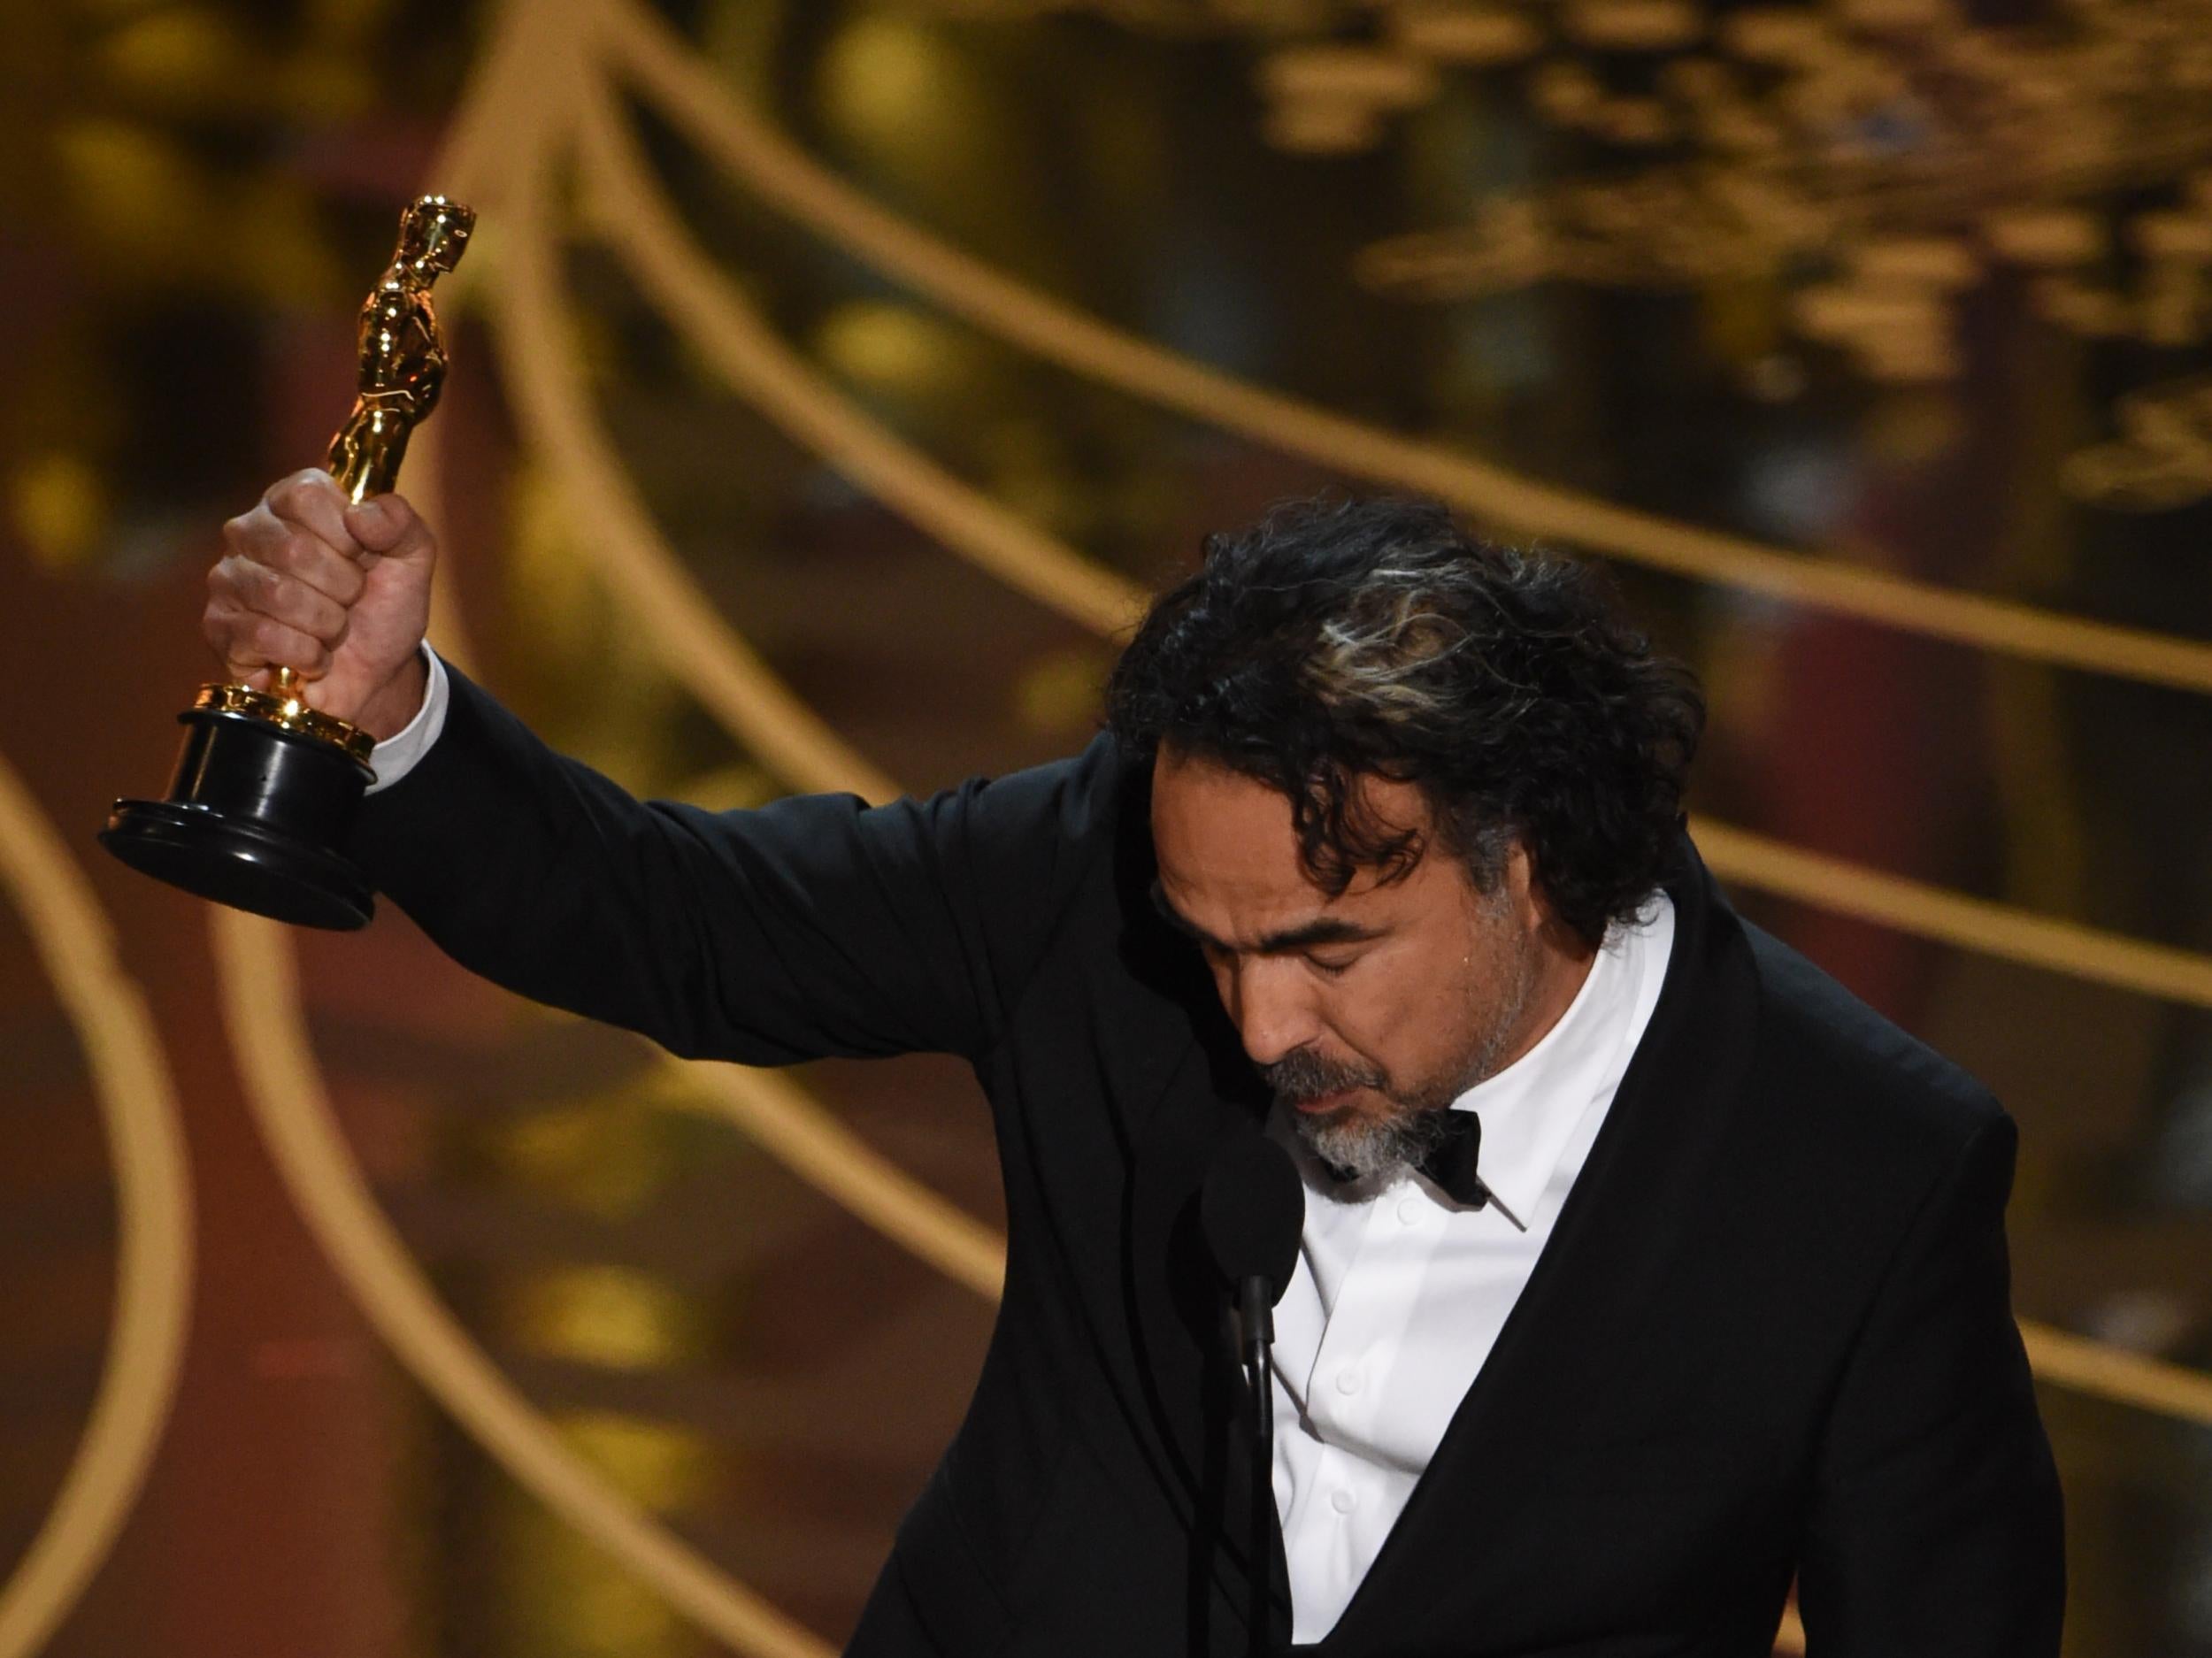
515	113
2081	1364
291	1106
633	219
532	324
812	1144
636	566
779	1115
721	325
690	94
262	1010
153	1291
1951	917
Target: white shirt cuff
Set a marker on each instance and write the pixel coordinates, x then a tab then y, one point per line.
399	754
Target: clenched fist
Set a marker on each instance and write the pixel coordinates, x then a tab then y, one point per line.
339	594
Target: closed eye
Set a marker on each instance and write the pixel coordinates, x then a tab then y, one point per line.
1319	932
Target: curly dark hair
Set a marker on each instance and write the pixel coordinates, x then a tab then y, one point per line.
1370	634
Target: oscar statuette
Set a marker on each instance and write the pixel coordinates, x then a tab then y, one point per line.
266	787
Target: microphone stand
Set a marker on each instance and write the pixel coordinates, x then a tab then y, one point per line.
1253	1209
1256	1324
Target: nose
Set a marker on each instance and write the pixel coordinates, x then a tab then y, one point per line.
1270	1002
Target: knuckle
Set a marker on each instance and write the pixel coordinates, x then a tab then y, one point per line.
227	634
254	531
229	579
249	530
331	577
290	496
312	614
291	599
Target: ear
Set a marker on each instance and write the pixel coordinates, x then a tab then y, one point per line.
1523	890
1532	908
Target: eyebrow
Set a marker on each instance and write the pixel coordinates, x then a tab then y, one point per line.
1320	930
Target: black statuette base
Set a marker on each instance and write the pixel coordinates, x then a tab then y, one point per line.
254	818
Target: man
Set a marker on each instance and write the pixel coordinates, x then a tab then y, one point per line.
1383	845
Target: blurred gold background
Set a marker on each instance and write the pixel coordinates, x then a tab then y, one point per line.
832	380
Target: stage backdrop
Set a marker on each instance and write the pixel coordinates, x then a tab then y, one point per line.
831	381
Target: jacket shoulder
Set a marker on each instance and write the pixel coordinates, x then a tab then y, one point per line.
1075	799
1033	846
1852	1077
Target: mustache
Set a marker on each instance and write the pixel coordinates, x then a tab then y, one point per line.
1302	1074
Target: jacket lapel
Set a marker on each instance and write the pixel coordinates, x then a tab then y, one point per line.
1550	1377
1188	1352
1177	1308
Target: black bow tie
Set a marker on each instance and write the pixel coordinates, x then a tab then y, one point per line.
1450	1162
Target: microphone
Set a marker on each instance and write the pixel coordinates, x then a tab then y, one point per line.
1253	1208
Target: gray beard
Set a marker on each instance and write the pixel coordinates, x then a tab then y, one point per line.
1368	1154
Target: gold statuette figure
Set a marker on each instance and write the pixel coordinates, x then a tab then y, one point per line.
266	786
402	355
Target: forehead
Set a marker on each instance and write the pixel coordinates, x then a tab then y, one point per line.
1225	839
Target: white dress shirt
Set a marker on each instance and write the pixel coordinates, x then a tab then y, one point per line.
400	752
1396	1301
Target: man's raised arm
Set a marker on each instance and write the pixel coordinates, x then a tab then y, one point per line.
812	926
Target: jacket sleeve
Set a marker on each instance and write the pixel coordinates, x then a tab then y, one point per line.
813	926
1935	1528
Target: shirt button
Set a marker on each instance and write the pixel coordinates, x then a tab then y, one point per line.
1410	1211
1343	1501
1347	1381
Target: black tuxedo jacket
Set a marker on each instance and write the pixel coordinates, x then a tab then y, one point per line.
1770	1334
